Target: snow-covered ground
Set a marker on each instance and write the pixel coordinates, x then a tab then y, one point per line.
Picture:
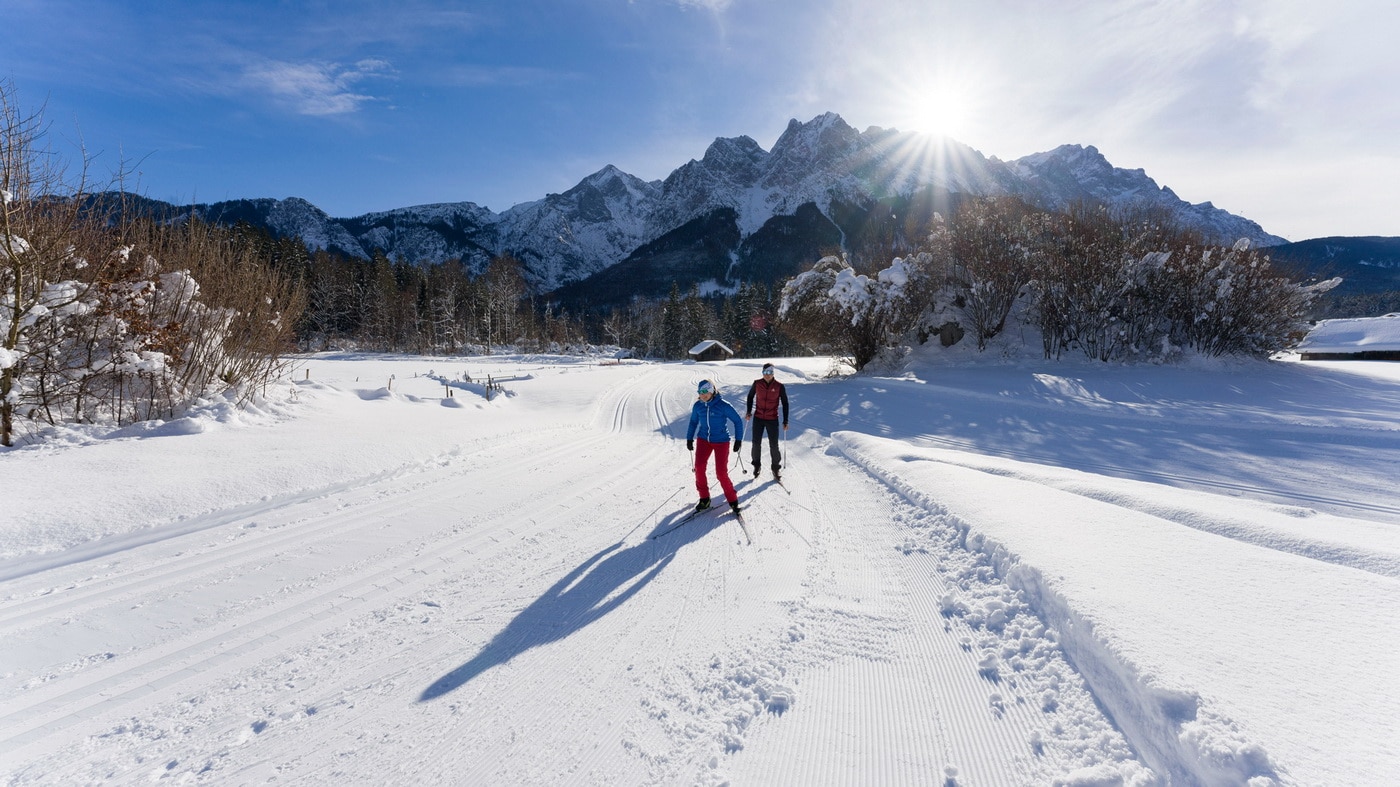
979	573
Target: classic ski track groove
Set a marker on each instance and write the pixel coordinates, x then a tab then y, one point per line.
26	720
21	568
300	528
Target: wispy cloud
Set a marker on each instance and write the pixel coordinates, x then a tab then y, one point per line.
712	5
314	88
500	76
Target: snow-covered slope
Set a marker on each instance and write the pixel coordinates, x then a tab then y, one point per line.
458	230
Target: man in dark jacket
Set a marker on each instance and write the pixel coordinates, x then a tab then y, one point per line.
765	395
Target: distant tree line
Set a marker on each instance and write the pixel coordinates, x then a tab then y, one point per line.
745	320
1370	304
442	308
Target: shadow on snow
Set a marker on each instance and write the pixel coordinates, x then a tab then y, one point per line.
599	585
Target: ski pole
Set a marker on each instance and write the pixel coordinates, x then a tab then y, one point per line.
742	430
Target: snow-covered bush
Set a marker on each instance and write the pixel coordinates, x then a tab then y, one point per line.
138	342
852	314
43	261
1087	285
1232	302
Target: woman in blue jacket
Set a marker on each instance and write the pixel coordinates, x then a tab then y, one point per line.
709	424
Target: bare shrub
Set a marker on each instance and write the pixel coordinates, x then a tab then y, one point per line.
995	244
221	313
123	322
1113	284
50	252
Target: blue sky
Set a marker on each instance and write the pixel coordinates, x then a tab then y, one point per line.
1282	111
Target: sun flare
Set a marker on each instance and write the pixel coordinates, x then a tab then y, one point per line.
939	111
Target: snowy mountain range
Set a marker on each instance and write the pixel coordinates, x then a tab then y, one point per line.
737	213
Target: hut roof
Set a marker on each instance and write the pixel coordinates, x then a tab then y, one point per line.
707	344
1354	335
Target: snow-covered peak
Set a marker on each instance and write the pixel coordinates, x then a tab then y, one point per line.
437	211
296	217
569	236
1082	166
734	152
615	184
823	141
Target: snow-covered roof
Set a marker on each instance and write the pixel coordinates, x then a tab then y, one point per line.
1353	335
707	344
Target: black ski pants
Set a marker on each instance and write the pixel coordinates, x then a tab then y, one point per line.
761	425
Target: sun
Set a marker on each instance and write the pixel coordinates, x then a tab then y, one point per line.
935	98
941	111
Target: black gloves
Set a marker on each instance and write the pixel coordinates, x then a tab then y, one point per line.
690	445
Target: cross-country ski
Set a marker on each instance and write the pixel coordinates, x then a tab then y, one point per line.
748	538
684	519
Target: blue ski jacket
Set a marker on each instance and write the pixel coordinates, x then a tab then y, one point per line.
708	420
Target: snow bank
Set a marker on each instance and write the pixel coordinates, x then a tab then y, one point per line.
1282	655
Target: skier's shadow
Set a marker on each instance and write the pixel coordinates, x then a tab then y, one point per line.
599	585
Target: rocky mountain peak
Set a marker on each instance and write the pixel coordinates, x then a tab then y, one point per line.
734	153
821	142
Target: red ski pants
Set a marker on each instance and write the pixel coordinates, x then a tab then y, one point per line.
703	449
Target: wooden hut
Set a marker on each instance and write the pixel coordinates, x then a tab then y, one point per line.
711	350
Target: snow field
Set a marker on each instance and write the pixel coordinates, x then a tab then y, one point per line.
362	575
